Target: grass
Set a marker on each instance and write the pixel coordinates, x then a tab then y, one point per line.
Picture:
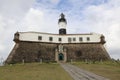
107	69
33	71
37	71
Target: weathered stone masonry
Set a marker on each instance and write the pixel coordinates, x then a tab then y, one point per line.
33	52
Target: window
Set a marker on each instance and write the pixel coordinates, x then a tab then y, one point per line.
50	39
69	40
74	39
80	39
39	37
59	39
88	39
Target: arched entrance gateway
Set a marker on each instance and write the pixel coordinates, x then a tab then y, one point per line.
61	57
60	54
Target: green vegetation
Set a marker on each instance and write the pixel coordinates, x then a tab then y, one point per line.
53	71
33	71
108	69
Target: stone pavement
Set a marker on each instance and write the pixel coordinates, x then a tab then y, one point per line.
80	74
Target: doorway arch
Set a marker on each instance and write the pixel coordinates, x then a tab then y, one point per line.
61	57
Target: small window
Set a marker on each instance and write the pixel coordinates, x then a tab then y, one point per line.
50	39
39	37
80	39
69	40
59	39
74	39
88	39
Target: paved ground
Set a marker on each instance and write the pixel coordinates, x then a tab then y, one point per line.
80	74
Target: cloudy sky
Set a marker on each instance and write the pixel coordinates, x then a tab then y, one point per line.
83	16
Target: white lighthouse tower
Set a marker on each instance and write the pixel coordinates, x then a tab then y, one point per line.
62	24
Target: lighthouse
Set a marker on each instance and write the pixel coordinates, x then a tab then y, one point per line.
62	24
35	46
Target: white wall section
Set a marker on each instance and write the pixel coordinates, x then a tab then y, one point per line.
33	36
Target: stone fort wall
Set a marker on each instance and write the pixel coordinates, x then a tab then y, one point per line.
33	52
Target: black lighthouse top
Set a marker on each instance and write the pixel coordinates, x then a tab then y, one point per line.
62	18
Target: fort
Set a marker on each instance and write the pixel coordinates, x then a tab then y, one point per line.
36	46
